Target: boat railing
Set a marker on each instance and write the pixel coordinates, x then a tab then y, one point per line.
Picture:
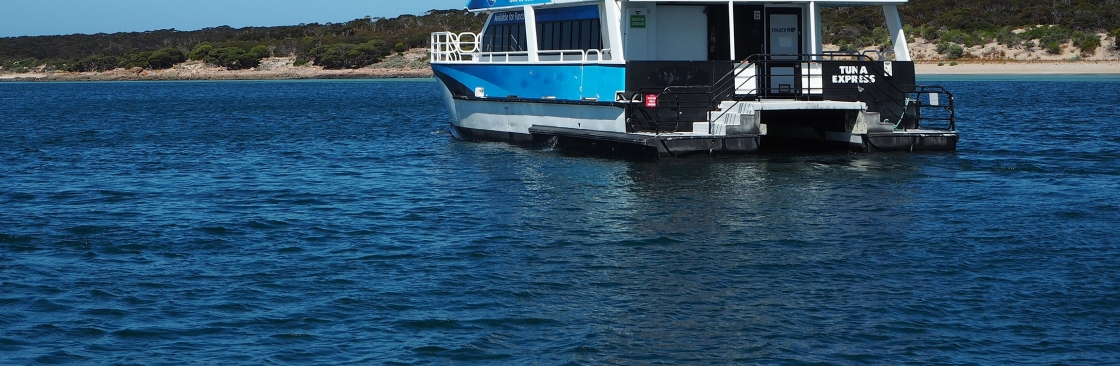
453	47
670	109
501	57
933	107
884	55
448	47
852	55
592	55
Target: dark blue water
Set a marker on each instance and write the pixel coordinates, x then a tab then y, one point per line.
337	222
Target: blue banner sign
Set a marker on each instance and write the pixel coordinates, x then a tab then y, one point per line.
569	13
490	4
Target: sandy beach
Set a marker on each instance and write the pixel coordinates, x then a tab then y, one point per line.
996	59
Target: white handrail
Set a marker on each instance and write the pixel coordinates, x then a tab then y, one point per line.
452	47
447	47
475	43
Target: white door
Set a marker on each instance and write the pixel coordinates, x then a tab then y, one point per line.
785	35
784	43
682	33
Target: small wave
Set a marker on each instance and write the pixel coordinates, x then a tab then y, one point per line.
658	241
308	202
337	282
88	229
430	349
21	196
61	357
1067	215
289	250
111	196
140	334
88	332
7	320
461	354
217	230
102	294
11	342
105	313
364	233
267	224
395	307
429	324
515	322
293	336
17	239
235	307
47	306
125	249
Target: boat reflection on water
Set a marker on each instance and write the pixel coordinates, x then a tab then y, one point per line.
743	250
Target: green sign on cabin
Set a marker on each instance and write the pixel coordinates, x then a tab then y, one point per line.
637	21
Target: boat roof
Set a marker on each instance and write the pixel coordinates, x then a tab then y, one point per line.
483	5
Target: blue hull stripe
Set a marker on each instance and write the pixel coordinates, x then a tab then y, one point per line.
565	82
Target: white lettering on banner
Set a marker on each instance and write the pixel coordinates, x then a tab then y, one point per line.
509	17
853	75
783	30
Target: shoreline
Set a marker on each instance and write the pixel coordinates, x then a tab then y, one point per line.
967	67
198	72
411	64
226	75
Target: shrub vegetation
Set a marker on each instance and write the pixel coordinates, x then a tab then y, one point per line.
970	23
356	43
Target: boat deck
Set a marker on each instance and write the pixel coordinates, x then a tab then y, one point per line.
647	145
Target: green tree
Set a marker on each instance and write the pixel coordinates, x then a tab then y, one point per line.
260	52
951	51
232	58
201	51
1054	48
94	63
349	56
138	59
165	58
1088	42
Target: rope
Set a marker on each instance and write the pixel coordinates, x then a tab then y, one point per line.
905	107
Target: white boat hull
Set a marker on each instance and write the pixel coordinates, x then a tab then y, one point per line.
513	118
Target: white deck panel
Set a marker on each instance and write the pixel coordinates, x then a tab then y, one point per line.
794	105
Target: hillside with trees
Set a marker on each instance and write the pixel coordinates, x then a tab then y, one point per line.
1051	25
353	44
951	24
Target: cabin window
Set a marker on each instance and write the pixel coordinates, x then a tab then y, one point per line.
571	28
506	33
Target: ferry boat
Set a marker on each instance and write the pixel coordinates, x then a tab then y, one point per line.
683	78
